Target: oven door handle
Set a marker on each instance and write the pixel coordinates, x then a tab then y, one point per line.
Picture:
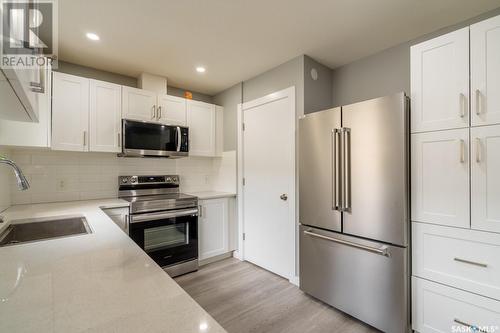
164	215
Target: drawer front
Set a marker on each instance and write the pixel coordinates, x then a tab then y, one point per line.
370	287
461	258
438	308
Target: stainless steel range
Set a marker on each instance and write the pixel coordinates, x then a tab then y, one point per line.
162	221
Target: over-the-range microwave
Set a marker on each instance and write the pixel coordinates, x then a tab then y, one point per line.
149	139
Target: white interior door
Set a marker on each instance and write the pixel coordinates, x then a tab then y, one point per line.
485	187
269	182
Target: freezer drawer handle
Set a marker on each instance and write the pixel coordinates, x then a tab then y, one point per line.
383	251
470	262
473	327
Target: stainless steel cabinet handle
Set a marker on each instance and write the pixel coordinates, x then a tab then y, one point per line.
159	113
478	102
384	251
84	138
478	150
463	323
462	105
471	262
200	211
462	151
39	87
179	138
159	216
153	114
335	169
346	167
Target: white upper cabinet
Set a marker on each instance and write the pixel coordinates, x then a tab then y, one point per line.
219	130
213	227
139	104
105	116
201	120
485	71
485	164
440	83
440	177
172	110
70	112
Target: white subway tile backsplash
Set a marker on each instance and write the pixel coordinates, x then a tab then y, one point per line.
65	176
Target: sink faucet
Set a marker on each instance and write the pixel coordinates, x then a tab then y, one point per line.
22	182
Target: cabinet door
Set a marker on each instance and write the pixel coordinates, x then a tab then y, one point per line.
105	116
138	104
201	123
70	112
440	82
219	130
172	110
440	177
485	71
213	228
485	160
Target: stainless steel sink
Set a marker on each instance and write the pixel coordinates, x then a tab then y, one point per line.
24	231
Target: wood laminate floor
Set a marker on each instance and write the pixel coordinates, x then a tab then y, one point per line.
245	298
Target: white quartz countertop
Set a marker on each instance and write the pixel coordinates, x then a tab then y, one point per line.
100	282
212	195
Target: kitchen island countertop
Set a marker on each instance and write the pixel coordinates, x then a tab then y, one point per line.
99	282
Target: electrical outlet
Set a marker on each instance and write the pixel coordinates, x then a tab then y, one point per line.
61	184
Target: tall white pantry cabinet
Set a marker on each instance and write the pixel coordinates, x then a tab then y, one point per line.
455	177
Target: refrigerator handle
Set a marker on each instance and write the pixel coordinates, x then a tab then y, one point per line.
346	169
335	169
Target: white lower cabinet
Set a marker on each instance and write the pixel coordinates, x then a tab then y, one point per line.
213	231
485	175
461	258
440	177
439	308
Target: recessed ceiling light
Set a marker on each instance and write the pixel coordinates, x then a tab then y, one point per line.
92	36
201	69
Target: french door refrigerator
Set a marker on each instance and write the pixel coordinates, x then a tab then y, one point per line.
354	207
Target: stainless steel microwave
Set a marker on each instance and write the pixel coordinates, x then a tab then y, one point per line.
149	139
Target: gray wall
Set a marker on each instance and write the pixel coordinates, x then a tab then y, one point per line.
174	91
383	73
281	77
229	99
317	93
92	73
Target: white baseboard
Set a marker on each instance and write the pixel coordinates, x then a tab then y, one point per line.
295	280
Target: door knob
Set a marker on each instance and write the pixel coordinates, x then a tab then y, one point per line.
284	197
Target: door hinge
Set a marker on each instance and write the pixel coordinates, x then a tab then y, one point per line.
243	126
244	182
244	236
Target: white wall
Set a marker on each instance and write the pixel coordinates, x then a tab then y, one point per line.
66	176
6	176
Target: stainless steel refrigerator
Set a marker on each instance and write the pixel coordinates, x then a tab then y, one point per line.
354	210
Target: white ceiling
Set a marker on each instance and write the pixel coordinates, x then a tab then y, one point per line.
238	39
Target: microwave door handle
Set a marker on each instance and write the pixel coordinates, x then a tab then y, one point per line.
179	138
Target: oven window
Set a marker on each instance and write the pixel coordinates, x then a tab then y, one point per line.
164	237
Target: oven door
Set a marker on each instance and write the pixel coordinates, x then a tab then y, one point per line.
167	237
142	138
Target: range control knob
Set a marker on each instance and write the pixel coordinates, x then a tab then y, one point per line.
124	180
169	180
